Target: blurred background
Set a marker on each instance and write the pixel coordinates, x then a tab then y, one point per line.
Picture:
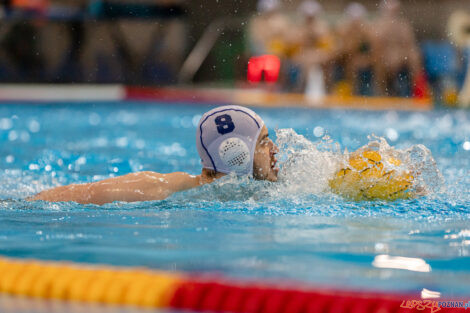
412	48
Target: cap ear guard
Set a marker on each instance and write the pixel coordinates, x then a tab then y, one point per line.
235	154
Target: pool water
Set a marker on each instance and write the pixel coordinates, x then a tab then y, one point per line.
292	231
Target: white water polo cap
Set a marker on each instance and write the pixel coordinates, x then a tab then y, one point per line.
226	139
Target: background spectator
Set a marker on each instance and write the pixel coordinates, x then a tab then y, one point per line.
268	29
147	41
396	54
355	49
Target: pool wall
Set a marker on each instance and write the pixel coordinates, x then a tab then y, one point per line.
251	97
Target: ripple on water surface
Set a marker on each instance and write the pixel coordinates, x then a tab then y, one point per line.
294	229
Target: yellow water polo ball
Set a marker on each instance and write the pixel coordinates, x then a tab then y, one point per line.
365	178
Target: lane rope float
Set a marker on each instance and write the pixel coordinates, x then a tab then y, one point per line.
158	289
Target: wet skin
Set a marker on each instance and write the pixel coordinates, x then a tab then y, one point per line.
264	163
146	186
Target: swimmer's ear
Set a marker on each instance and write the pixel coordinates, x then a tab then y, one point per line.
213	173
210	173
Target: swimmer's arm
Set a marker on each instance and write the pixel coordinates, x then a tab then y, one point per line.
141	186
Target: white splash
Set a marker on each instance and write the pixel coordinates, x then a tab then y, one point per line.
306	167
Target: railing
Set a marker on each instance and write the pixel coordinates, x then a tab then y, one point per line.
204	46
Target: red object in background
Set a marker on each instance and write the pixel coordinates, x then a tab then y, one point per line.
269	64
31	4
421	86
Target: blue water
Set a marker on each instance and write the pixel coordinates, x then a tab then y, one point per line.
240	228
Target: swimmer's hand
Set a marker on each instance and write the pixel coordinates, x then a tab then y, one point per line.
141	186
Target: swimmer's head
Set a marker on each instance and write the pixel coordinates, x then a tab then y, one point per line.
268	6
390	7
234	139
310	9
355	11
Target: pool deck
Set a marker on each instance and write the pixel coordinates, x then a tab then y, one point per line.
216	96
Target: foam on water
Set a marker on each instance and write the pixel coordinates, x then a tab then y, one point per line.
307	167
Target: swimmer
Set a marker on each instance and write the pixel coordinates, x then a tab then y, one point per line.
229	139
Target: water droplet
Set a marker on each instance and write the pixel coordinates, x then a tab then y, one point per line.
466	145
391	134
24	136
318	131
94	119
196	119
12	135
34	126
81	160
5	123
33	167
122	142
379	246
140	144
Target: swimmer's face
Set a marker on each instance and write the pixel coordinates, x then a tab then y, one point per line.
264	162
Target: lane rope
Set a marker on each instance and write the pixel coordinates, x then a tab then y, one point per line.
96	284
158	289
